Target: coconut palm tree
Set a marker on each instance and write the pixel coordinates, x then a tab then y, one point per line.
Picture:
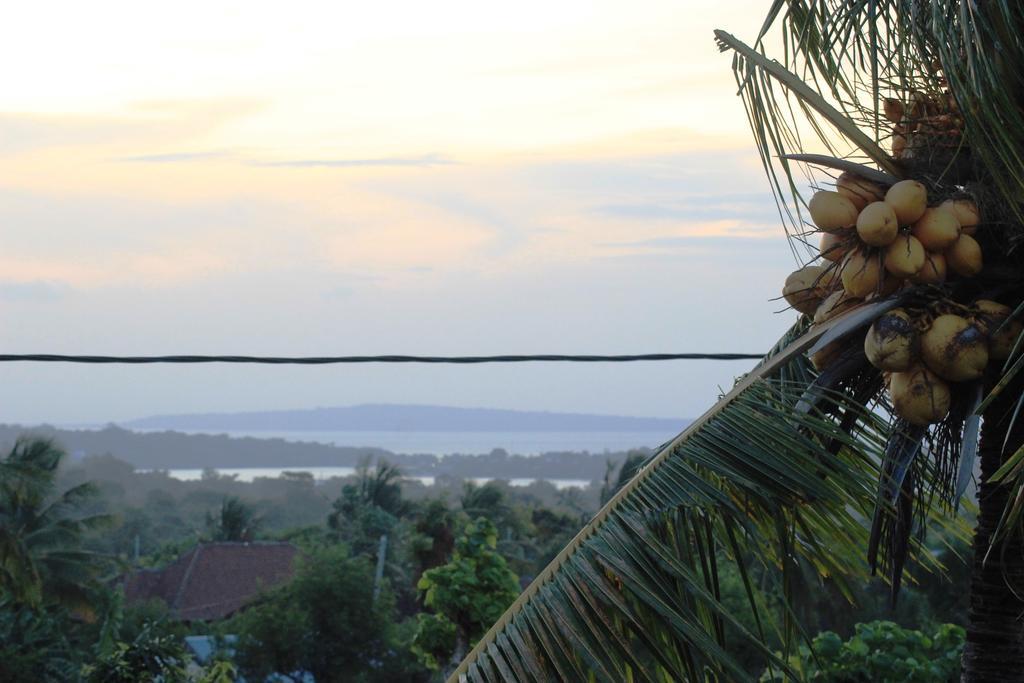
41	531
235	521
799	476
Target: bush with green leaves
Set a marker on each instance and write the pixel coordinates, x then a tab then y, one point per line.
880	652
327	622
38	645
151	656
466	596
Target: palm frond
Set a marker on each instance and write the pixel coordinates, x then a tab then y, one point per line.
857	53
754	488
784	111
756	65
41	531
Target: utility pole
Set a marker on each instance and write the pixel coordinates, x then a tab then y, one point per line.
379	574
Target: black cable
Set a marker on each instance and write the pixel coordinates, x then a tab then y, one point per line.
327	360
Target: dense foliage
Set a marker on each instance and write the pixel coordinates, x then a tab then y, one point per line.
881	652
147	658
70	528
325	621
464	597
451	557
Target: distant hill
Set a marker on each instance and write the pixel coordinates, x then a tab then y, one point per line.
405	418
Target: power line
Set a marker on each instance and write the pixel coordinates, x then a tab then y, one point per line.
329	360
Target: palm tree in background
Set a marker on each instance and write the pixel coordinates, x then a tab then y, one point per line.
41	531
377	486
235	521
796	477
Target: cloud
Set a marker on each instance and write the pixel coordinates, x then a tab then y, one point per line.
173	157
426	160
33	290
674	242
710	208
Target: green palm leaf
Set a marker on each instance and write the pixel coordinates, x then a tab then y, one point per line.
752	486
857	53
41	531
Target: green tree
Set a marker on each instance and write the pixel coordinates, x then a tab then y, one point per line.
486	500
378	486
434	537
370	507
149	657
42	558
38	645
326	622
880	652
466	596
235	521
493	501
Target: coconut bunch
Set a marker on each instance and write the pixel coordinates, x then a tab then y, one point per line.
924	122
876	240
926	353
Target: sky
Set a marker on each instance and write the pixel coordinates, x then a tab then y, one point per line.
326	178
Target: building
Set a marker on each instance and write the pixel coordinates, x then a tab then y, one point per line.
214	580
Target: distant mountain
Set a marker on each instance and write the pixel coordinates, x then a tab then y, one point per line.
406	418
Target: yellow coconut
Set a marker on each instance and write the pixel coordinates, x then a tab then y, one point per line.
823	357
966	212
919	396
933	271
904	257
859	190
877	224
890	284
893	109
964	257
891	342
899	144
835	304
937	228
989	314
861	273
829	281
831	211
801	290
954	349
909	199
833	246
1002	336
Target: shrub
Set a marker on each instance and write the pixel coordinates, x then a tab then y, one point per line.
880	652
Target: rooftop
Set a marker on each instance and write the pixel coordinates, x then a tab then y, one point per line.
214	580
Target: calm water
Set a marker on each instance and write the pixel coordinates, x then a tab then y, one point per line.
251	473
440	443
446	443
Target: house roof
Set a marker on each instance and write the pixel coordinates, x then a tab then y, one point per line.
214	580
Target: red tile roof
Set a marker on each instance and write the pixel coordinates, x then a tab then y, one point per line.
214	580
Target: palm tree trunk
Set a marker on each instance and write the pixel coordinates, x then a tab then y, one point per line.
994	652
